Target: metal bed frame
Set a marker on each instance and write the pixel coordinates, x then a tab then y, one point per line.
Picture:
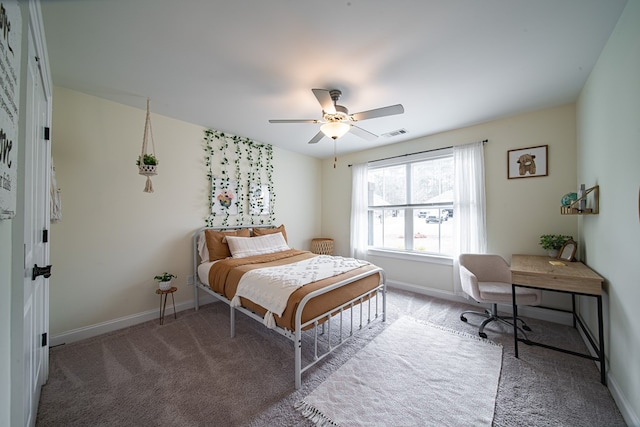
369	298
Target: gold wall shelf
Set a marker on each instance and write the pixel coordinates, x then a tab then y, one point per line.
574	207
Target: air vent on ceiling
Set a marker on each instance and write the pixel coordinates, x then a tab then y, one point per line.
394	133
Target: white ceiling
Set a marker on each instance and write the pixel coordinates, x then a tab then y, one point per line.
233	65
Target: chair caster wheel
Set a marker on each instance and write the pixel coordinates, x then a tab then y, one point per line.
526	328
482	334
464	319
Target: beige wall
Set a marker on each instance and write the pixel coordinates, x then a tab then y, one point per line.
608	114
518	210
113	238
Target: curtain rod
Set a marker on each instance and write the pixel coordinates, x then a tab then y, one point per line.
484	141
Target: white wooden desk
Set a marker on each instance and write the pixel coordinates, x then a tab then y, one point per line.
575	278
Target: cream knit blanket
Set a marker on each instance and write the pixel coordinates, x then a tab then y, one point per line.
271	287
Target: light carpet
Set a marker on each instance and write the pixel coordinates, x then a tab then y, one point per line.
412	374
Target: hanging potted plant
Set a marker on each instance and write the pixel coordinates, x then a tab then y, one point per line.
164	280
147	164
552	243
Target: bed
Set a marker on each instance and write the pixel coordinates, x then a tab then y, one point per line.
293	292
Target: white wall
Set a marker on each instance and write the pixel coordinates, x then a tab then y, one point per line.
608	116
518	210
5	321
113	238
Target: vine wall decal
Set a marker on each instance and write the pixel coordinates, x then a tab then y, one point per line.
240	171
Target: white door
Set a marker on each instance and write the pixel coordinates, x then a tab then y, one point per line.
36	248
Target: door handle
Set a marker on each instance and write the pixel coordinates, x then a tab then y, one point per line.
41	271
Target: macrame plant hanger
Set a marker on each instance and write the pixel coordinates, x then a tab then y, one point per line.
143	169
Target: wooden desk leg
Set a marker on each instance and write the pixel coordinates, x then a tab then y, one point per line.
573	308
603	376
515	322
174	305
163	309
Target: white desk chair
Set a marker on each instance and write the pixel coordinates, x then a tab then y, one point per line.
487	279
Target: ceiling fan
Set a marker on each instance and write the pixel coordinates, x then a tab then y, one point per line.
336	120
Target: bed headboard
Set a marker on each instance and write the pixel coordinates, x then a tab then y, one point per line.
201	251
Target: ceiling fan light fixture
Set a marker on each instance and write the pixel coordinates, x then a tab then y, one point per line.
334	130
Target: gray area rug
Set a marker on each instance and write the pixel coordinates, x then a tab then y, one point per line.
189	372
412	374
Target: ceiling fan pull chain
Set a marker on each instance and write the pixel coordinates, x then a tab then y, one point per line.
335	154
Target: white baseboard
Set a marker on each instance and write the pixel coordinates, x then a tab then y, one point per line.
134	319
629	415
120	323
539	313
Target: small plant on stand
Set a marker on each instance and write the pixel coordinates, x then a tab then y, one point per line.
164	280
553	242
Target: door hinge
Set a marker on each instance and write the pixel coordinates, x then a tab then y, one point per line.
46	133
40	271
44	340
45	236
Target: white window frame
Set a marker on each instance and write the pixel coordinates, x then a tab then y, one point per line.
409	208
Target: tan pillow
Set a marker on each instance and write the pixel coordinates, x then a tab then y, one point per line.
264	231
217	245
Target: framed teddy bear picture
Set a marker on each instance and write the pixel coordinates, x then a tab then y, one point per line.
527	162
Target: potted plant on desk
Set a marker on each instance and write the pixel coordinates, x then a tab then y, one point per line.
552	243
164	280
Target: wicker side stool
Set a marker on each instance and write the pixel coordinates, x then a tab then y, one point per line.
322	246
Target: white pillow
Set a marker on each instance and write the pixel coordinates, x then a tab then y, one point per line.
242	247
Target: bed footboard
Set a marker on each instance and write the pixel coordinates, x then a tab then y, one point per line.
350	317
374	309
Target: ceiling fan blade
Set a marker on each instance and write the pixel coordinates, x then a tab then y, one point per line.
324	98
379	112
317	138
295	121
358	131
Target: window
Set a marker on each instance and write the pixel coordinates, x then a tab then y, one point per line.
410	203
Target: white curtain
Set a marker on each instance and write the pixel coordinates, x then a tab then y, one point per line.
468	204
359	209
